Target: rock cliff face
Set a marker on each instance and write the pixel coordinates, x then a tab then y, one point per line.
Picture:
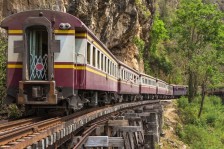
114	22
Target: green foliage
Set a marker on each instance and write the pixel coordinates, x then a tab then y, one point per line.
204	132
140	44
157	34
157	58
146	13
3	47
14	112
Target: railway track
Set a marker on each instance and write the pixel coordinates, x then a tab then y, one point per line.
44	133
11	125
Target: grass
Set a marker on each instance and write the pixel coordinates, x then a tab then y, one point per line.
205	132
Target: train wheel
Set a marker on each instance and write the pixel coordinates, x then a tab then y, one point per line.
66	109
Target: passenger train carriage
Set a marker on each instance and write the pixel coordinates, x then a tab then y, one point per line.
55	61
148	86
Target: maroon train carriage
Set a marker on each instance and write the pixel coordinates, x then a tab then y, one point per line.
179	90
148	86
162	89
54	59
97	70
128	85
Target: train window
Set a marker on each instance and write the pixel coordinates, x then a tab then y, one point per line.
98	59
102	61
88	52
114	70
124	75
111	68
94	56
108	66
37	42
105	64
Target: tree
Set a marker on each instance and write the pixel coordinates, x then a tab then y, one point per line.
206	65
155	57
197	27
3	47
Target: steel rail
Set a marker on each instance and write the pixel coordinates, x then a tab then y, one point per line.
57	128
12	124
27	130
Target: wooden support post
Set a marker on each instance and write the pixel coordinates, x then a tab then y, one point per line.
104	141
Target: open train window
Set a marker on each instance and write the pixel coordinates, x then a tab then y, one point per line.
37	46
88	52
94	56
115	70
108	66
98	59
105	63
102	61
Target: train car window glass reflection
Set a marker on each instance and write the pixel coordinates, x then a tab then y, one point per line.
108	66
111	68
115	70
94	56
102	61
37	41
98	59
88	52
105	64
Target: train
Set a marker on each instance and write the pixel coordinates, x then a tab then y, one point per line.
55	61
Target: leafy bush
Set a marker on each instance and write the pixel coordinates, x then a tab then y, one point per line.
182	103
205	132
140	44
14	112
3	47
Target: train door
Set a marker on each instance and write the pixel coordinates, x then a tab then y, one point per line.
37	53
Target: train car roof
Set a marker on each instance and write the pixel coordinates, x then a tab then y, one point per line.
128	67
162	81
179	85
143	74
15	21
99	42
